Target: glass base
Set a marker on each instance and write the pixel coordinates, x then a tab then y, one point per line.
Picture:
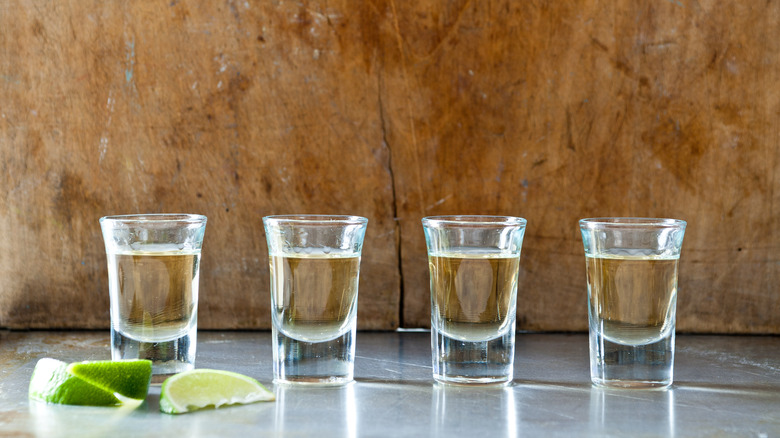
314	381
630	384
473	363
645	366
326	363
465	381
168	357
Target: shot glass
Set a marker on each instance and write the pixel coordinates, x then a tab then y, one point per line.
315	265
632	268
153	274
474	263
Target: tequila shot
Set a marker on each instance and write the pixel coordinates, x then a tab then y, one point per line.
474	264
315	266
632	266
153	273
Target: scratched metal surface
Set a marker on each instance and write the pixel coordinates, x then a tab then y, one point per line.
725	386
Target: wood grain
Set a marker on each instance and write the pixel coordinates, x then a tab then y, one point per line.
552	111
555	111
229	109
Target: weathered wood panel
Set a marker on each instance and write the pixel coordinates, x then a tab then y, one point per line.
235	110
393	110
556	111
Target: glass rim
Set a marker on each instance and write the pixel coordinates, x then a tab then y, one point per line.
315	219
469	220
631	222
158	218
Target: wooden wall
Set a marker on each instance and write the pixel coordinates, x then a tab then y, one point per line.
392	110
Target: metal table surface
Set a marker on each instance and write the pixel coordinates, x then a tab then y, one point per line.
724	386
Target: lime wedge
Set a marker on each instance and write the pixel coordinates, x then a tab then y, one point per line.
202	388
129	378
51	382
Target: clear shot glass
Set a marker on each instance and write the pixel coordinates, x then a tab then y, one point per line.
632	266
315	265
153	274
474	264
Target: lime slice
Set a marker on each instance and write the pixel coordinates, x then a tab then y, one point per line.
129	378
51	382
202	388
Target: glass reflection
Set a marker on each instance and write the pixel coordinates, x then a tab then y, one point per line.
459	410
297	405
627	412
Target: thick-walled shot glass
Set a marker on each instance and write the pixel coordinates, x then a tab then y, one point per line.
474	264
315	265
632	268
153	273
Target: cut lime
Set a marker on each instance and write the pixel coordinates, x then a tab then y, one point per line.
90	383
202	388
51	382
129	378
